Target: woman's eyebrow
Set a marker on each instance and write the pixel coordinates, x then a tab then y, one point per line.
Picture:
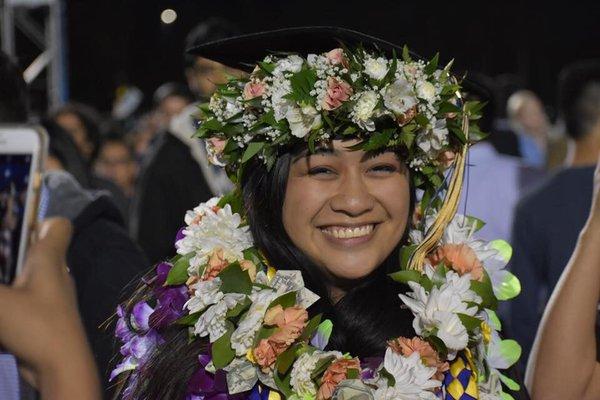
318	151
372	154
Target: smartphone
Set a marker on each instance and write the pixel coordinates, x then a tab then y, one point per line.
23	150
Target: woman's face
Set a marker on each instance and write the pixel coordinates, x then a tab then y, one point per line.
346	210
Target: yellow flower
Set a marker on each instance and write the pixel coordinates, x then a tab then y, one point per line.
486	331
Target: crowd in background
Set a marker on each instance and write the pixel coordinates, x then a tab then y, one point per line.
141	168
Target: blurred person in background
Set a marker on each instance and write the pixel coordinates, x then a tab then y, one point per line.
116	162
548	220
82	123
175	174
498	179
529	121
170	99
143	133
102	259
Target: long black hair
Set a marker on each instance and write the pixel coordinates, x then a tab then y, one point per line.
369	314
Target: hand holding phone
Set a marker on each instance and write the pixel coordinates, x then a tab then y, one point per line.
22	152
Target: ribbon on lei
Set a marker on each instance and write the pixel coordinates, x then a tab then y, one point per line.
460	381
449	206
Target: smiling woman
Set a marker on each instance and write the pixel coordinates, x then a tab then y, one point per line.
346	210
320	277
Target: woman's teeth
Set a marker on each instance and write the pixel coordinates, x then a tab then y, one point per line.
341	232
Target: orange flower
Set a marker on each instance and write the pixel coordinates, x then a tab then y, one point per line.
290	323
446	158
264	354
216	264
335	373
429	356
459	257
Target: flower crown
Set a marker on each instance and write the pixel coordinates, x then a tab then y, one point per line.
262	344
405	104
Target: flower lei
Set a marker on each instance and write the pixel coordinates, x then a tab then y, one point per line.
405	104
263	345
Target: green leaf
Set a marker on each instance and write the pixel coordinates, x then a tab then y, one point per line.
251	150
212	124
406	276
178	275
485	291
321	366
378	140
506	396
234	199
422	120
439	277
302	83
268	68
511	384
286	359
283	384
321	338
438	344
503	248
406	54
471	323
222	353
253	255
406	253
285	300
189	320
494	320
238	309
352	373
311	327
263	333
510	351
475	222
391	73
509	288
432	65
235	280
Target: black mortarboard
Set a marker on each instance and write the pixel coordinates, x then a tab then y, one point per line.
243	52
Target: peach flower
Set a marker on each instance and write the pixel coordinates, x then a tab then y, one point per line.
336	57
249	266
290	323
335	373
446	158
254	89
429	356
338	91
264	354
407	116
216	264
459	257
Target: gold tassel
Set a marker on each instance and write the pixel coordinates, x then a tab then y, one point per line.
449	206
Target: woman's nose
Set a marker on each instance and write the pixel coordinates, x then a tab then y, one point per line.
353	197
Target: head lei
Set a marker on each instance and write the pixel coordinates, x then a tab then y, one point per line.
261	342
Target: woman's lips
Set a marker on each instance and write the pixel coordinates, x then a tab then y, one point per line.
348	235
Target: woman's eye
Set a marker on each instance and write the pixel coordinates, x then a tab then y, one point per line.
385	168
320	171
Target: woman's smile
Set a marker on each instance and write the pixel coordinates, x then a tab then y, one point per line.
349	236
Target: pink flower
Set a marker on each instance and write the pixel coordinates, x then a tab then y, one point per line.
429	356
446	158
253	89
249	267
460	257
336	56
216	264
338	91
335	373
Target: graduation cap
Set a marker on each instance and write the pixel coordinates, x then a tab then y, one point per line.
243	52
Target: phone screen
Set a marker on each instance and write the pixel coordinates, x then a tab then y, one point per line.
15	173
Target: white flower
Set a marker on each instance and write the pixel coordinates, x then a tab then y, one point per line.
413	379
363	110
438	309
300	380
303	119
492	388
399	97
212	322
291	63
243	337
205	294
195	215
376	68
220	230
426	90
434	138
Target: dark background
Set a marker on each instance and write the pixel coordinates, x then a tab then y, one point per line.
123	41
